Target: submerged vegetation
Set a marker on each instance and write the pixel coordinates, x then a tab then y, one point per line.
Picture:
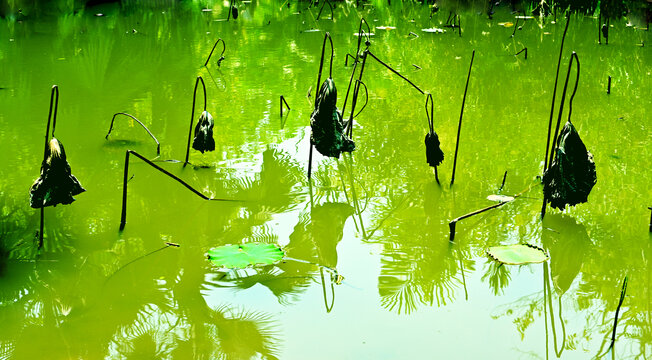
276	262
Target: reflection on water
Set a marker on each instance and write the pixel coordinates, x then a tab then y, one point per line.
377	217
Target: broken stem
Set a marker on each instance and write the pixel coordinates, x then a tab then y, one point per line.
452	223
123	217
394	71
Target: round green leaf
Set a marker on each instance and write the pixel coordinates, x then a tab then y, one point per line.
517	254
241	256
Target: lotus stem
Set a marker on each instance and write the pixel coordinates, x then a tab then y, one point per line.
453	222
213	49
554	94
327	36
503	184
459	126
52	117
282	101
158	145
395	72
522	50
609	85
354	100
570	102
123	217
192	114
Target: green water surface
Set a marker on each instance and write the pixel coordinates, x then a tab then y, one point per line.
378	216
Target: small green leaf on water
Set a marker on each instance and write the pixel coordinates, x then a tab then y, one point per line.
517	254
241	256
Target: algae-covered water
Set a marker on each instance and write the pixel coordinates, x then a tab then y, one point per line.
376	218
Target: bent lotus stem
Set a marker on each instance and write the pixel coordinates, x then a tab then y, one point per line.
366	100
52	117
192	113
395	72
430	115
561	110
459	126
356	58
158	145
282	101
349	125
570	102
431	118
453	223
123	216
213	49
327	36
522	50
554	94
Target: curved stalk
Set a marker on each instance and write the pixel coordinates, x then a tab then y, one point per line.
158	145
192	114
213	49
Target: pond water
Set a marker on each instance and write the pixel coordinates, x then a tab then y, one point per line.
378	216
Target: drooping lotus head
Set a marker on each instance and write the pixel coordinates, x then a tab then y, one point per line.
56	185
203	140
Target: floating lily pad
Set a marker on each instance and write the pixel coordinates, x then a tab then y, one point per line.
241	256
517	254
500	198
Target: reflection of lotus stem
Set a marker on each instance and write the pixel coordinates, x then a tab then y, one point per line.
459	126
547	289
322	9
192	114
623	291
167	245
323	286
561	110
123	217
158	145
52	116
213	49
554	94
